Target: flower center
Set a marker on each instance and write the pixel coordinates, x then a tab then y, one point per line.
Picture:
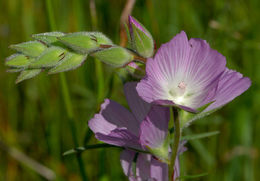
182	87
177	93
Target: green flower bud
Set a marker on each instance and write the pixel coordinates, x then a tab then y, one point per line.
70	62
85	42
115	56
27	74
136	69
141	39
48	38
49	58
18	61
30	48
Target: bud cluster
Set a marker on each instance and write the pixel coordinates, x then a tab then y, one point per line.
59	52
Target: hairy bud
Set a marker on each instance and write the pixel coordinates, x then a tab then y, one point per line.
27	74
71	61
48	37
18	61
85	42
50	57
136	69
30	48
140	38
115	56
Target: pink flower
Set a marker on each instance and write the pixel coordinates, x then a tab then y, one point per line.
189	74
145	127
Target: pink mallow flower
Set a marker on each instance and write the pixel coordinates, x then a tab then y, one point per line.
146	128
189	74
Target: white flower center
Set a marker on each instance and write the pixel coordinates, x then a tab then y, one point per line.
182	87
177	94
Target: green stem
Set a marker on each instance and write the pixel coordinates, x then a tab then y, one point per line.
81	149
175	146
51	15
88	147
98	63
69	110
66	97
100	80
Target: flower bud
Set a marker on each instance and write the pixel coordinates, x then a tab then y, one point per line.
115	56
27	74
48	37
71	61
30	48
136	69
85	42
49	58
141	39
18	61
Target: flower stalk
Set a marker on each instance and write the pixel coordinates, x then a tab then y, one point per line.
140	59
69	110
175	145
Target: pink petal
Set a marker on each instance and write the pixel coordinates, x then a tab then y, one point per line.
154	129
159	170
120	137
231	85
126	159
111	116
139	107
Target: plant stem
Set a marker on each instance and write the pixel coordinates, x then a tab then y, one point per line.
69	110
51	15
66	97
175	146
98	63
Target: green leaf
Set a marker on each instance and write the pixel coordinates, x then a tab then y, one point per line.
70	62
187	118
115	56
18	61
192	176
30	48
48	38
85	42
27	74
205	155
49	58
202	108
199	136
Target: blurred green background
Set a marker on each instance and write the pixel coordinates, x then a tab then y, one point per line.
33	119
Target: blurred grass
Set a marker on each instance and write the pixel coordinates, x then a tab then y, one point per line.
32	115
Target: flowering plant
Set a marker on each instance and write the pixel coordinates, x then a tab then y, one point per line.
185	78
